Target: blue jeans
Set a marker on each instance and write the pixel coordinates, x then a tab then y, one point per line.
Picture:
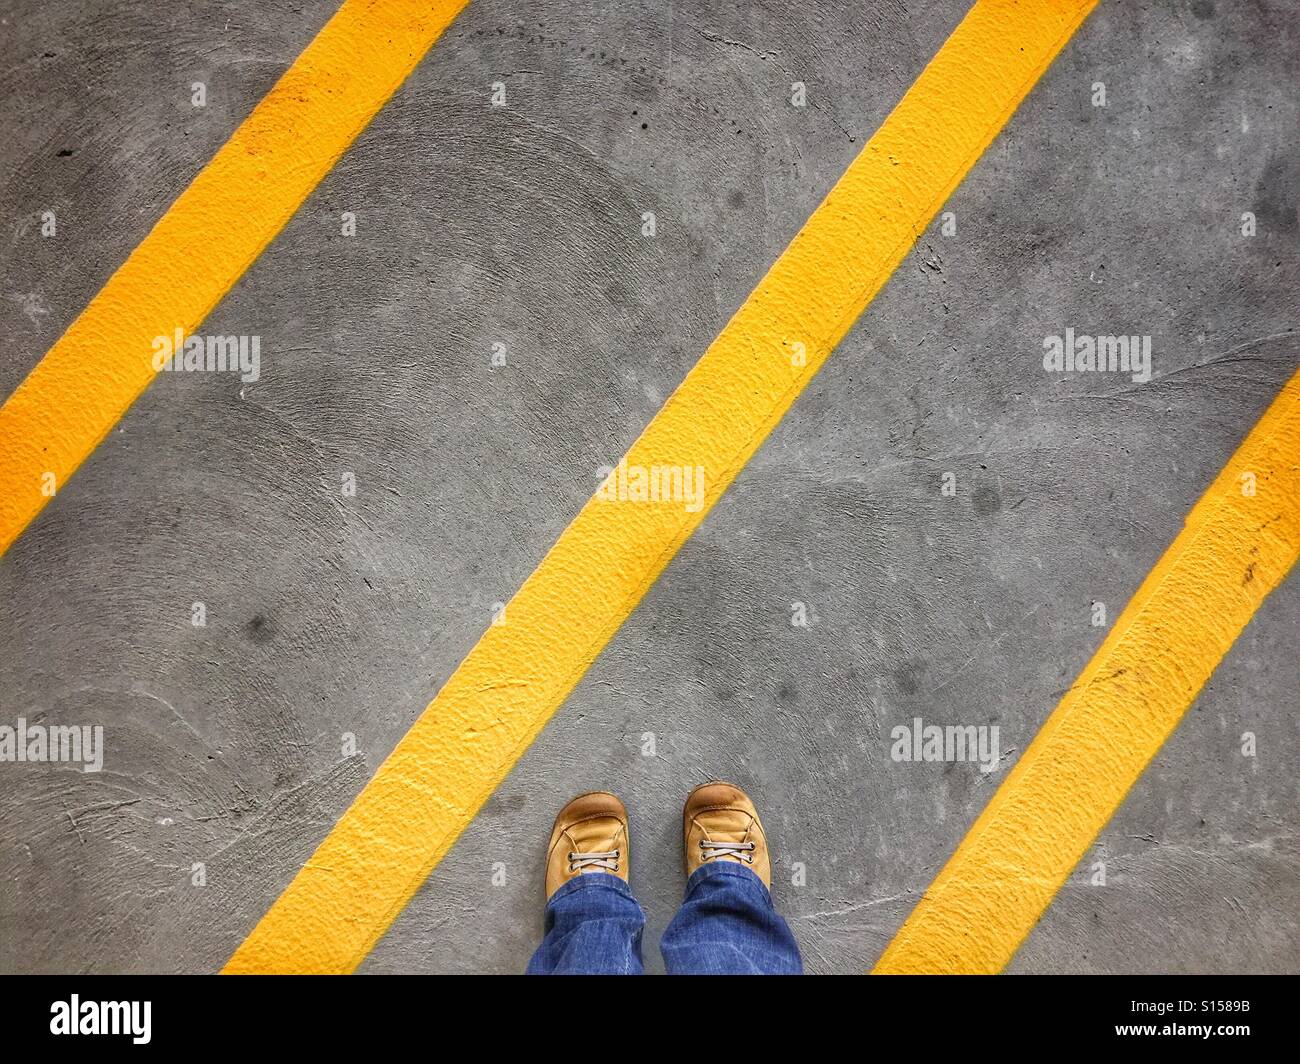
726	926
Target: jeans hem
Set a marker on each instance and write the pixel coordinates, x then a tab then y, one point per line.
720	869
592	881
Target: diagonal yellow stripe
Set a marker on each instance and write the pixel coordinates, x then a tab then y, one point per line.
204	242
1234	549
505	690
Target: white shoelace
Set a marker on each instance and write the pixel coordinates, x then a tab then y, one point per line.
607	860
739	850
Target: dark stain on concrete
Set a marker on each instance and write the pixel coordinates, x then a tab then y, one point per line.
908	676
502	805
260	629
986	500
1277	192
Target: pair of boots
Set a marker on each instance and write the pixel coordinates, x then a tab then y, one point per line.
726	925
719	823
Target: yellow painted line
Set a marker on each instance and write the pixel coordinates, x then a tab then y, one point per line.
204	242
1234	549
492	707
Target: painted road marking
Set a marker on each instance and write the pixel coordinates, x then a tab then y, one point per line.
213	232
490	710
1233	550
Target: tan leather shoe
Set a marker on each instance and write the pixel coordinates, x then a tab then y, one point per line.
721	824
590	835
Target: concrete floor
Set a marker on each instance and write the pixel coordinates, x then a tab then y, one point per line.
330	615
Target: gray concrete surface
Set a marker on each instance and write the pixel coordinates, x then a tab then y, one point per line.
330	615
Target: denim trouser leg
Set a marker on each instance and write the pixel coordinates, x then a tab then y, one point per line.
593	927
727	926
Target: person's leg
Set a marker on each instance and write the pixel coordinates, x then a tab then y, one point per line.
593	923
593	927
727	924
